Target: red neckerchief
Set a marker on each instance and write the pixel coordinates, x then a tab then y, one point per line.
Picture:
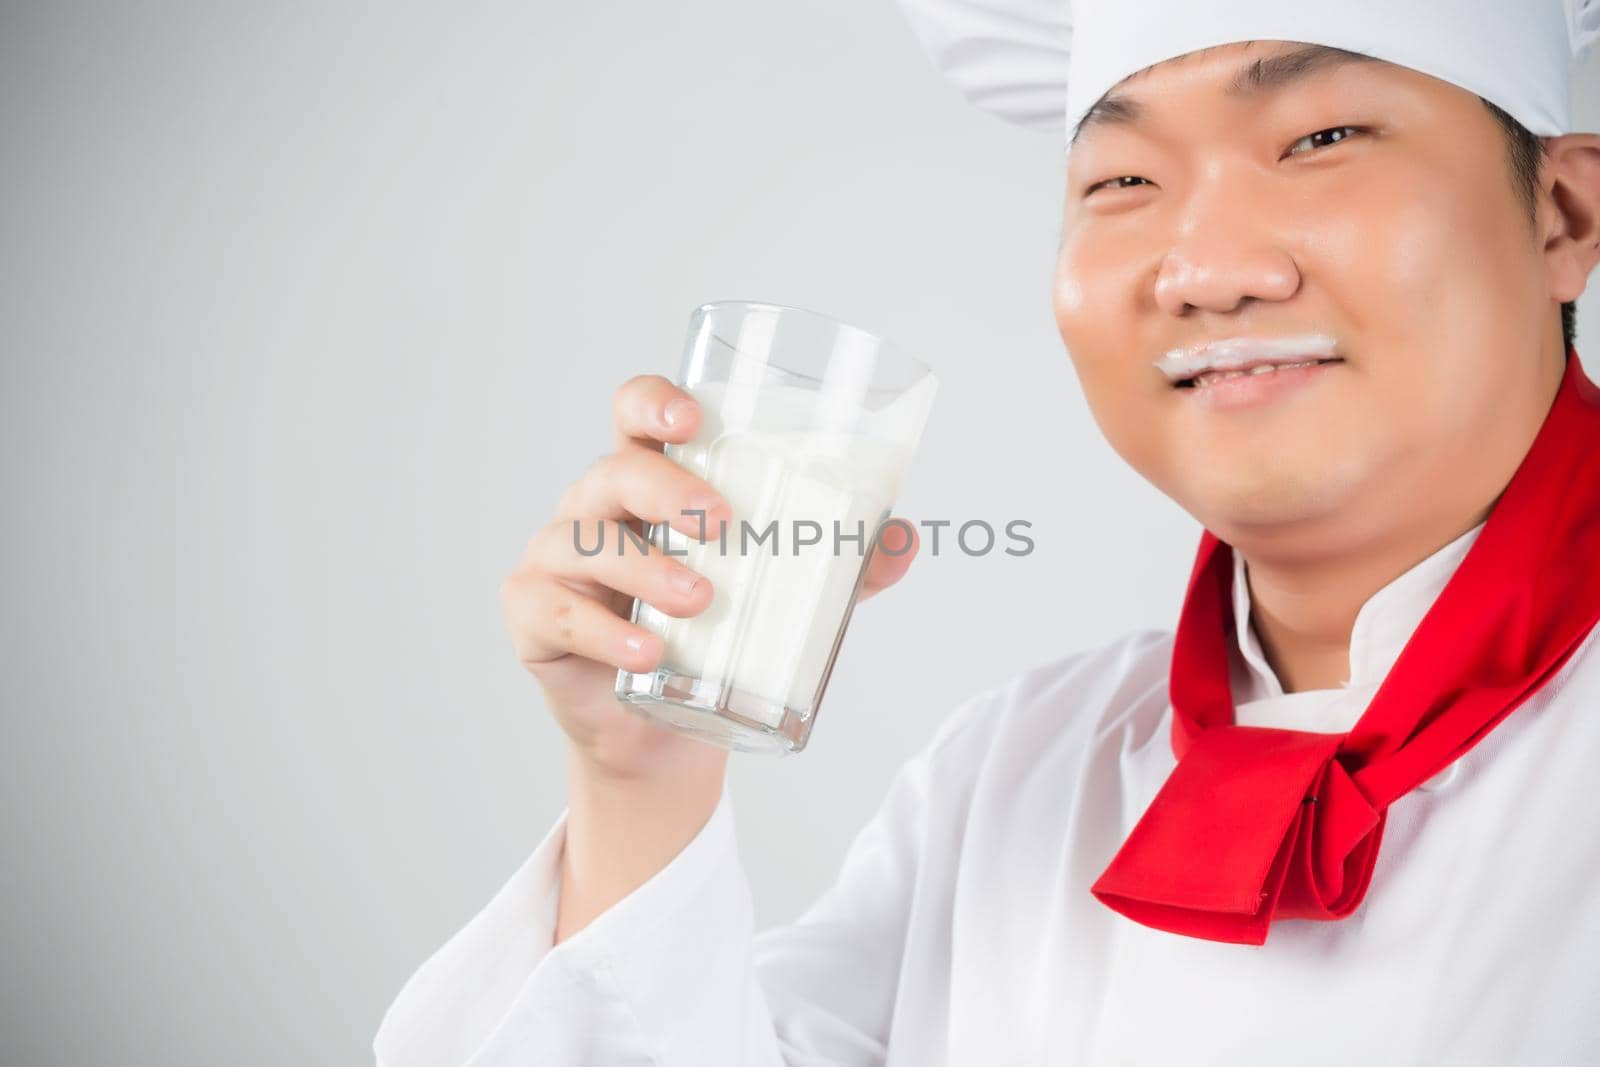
1261	823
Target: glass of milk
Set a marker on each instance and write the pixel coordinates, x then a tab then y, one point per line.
808	425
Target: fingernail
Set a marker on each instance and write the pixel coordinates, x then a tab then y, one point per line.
635	642
677	412
684	580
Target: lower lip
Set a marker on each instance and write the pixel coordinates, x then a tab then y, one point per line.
1255	390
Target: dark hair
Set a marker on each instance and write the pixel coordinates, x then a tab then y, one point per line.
1527	155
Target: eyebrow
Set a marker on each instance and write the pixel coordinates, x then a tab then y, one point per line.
1255	78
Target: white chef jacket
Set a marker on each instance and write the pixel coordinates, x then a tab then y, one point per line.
961	931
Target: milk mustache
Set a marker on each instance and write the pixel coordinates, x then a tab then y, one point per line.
783	464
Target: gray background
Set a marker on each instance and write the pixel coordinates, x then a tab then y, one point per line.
310	311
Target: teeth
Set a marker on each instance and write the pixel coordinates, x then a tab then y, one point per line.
1260	368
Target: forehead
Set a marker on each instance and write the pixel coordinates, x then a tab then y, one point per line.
1249	69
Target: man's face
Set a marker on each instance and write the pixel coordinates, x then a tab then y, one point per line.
1366	202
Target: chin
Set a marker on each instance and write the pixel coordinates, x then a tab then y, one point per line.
1275	495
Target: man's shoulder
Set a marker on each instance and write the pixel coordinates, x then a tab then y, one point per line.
1076	699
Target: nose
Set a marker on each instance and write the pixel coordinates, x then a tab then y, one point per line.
1223	256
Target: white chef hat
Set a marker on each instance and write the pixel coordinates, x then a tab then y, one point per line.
1042	63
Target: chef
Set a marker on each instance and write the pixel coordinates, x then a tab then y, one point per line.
1316	277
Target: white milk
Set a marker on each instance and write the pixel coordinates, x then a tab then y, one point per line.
772	623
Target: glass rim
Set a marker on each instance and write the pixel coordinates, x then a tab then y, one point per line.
878	339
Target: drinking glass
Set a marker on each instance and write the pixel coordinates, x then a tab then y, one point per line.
808	425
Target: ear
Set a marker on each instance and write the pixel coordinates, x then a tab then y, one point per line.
1569	212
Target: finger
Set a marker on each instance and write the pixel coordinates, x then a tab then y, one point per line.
648	410
639	483
617	562
891	558
548	619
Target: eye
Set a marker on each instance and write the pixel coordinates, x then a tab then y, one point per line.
1313	138
1112	183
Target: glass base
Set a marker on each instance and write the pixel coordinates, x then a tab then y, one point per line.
720	714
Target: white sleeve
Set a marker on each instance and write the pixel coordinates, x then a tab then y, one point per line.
673	975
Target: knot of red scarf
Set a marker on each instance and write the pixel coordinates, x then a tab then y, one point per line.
1257	823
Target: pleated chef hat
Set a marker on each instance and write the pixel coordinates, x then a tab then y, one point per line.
1042	63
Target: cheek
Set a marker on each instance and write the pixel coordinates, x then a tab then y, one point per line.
1094	305
1405	258
1379	249
1070	296
1098	315
1424	264
1389	250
